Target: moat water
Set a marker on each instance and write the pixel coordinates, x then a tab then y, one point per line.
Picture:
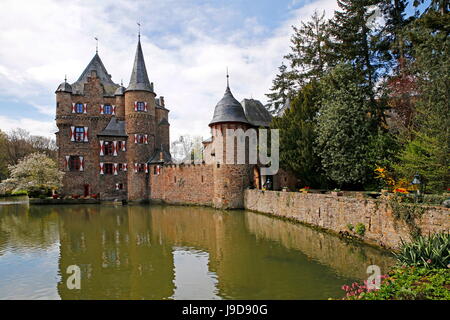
171	252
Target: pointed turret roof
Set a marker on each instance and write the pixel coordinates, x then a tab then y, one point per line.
96	65
139	78
228	109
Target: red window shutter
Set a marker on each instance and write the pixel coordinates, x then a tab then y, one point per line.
81	163
72	133
145	106
125	166
135	167
73	107
146	139
115	148
135	138
86	130
102	148
85	108
114	110
115	168
146	168
124	146
101	167
101	109
66	163
135	106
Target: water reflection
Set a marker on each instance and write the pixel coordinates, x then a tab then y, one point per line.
159	252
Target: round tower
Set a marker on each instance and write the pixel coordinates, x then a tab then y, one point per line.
140	127
230	179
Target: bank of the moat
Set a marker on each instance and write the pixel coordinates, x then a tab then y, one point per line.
172	252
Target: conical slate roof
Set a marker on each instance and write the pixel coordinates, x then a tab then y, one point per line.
228	109
256	114
96	65
139	78
64	87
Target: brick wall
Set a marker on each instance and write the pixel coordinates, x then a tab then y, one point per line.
335	213
183	184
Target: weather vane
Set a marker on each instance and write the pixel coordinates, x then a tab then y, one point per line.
139	29
228	76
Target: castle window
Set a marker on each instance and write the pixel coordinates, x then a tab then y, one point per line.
140	106
120	167
74	163
120	186
109	148
174	179
202	179
79	134
141	167
79	108
108	168
107	109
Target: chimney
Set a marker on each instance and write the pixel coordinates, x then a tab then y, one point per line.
161	101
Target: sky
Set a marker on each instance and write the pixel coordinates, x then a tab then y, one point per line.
187	44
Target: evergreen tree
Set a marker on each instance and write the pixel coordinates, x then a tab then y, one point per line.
310	49
357	39
308	60
297	136
427	153
282	87
344	130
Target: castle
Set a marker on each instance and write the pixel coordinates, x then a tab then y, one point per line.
114	142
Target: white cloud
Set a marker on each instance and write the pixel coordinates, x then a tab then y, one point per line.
187	48
41	128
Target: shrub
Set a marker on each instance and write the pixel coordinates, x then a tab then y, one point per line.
407	283
434	199
19	193
429	252
350	227
360	229
37	192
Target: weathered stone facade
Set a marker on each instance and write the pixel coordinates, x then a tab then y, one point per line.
108	133
114	142
336	213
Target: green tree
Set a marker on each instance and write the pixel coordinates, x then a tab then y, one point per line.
35	171
282	87
358	38
428	151
345	128
310	54
297	136
3	156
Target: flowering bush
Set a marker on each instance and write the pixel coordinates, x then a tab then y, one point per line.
355	290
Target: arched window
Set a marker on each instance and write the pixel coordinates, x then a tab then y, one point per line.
79	108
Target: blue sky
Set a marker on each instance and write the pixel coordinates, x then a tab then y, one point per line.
187	46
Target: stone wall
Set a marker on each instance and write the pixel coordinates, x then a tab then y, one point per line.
182	184
335	213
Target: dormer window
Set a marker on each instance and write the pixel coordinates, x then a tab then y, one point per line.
79	108
140	106
107	109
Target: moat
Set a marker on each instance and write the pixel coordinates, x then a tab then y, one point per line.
171	252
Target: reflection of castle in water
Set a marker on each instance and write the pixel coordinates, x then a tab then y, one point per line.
128	253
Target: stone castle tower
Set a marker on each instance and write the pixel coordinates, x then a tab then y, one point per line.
230	180
108	133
